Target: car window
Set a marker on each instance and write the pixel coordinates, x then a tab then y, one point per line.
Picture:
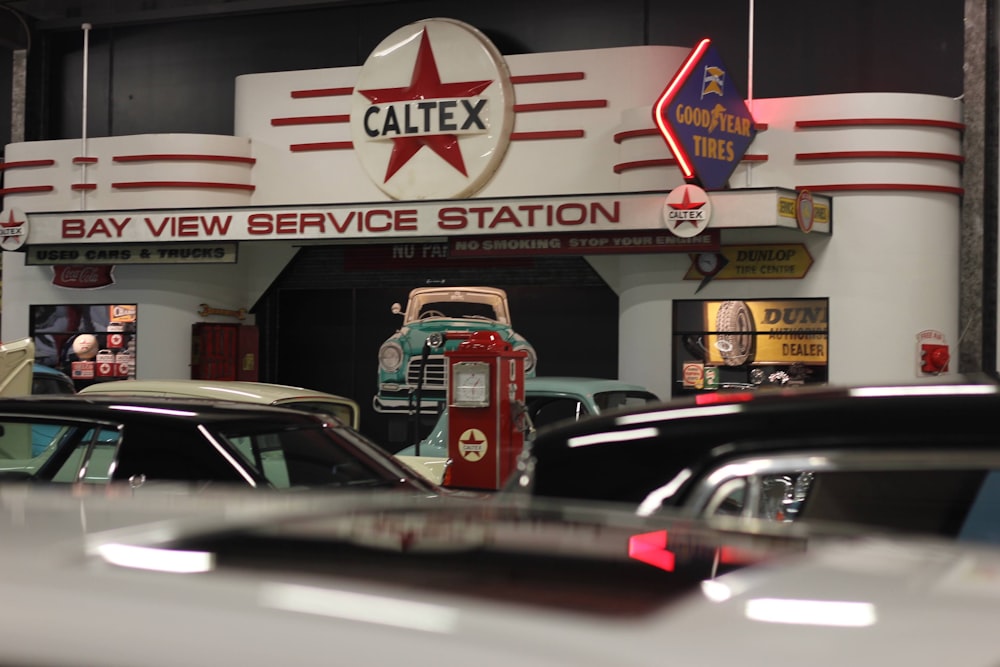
935	501
456	304
52	384
56	451
304	457
19	442
777	497
545	411
172	454
462	309
612	400
926	501
90	458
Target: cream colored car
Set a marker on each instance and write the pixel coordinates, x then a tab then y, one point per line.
262	393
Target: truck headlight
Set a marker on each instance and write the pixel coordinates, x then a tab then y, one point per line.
530	360
390	356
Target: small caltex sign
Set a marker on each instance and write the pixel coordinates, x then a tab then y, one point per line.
704	119
687	211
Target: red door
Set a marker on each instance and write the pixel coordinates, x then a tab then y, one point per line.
214	351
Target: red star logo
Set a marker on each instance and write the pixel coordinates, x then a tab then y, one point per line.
686	205
472	440
11	222
425	84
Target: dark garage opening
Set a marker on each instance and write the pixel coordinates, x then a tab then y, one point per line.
324	318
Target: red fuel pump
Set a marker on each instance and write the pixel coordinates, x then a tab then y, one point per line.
485	402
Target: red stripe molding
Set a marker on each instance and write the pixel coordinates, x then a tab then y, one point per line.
131	185
670	162
867	122
632	134
84	160
27	163
322	146
516	136
549	134
906	155
310	120
882	187
547	78
83	186
321	92
560	106
653	132
645	164
186	157
25	189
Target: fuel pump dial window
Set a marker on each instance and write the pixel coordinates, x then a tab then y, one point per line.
470	384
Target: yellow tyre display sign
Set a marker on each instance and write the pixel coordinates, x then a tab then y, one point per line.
766	332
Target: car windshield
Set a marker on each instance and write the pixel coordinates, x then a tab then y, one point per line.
457	304
304	457
611	400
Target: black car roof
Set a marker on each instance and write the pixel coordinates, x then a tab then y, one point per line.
843	409
642	447
109	407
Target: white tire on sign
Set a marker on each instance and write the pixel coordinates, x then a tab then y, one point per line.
735	339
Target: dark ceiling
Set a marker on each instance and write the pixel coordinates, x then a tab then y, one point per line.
70	14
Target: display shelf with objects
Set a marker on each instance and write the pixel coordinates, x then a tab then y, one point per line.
88	342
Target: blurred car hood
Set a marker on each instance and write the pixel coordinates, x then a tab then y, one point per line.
852	603
313	579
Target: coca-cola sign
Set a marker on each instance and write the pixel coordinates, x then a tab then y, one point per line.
82	276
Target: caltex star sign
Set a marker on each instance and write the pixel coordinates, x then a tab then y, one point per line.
687	211
432	111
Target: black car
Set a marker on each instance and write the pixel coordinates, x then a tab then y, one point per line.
921	458
102	439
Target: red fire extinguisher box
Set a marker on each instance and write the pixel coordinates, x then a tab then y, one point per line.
485	398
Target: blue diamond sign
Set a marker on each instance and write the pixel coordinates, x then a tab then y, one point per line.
704	119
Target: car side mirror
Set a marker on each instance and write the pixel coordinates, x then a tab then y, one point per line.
396	309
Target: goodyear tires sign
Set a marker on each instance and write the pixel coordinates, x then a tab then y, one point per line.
704	119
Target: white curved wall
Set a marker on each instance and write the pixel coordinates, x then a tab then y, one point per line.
889	269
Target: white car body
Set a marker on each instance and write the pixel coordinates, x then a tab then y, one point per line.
183	580
880	601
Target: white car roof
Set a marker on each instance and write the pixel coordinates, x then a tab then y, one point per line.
246	392
229	390
459	288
